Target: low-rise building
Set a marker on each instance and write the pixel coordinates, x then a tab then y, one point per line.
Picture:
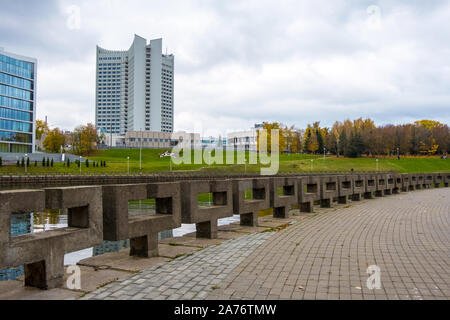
152	139
244	140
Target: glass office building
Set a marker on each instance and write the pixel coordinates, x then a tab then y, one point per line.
17	102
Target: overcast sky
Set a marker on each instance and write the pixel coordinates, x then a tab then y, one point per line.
242	62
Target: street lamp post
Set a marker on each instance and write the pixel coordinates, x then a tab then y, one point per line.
26	157
140	153
80	164
324	150
128	164
209	158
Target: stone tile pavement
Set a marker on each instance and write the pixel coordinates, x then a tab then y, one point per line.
326	255
190	277
323	256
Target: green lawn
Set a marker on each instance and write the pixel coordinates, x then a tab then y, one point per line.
116	160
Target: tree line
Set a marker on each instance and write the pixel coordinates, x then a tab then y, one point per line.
82	141
362	137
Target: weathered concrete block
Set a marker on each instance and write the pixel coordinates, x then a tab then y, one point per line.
205	217
370	185
308	192
397	183
283	194
329	190
438	178
428	180
390	184
405	182
359	186
381	182
345	187
412	181
446	176
248	209
142	230
42	253
420	178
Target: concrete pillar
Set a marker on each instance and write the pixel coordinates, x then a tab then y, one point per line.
281	212
249	219
46	274
307	206
325	203
207	229
343	200
368	195
35	275
144	246
356	197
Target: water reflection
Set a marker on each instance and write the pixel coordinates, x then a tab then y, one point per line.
20	224
24	223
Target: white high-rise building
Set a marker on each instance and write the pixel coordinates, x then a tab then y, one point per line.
134	88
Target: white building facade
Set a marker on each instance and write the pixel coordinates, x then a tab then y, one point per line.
135	89
244	140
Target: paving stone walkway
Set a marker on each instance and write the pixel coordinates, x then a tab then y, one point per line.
190	277
326	256
323	256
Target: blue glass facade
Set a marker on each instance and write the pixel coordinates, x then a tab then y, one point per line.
17	83
15	114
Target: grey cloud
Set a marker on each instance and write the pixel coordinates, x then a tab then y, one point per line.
319	51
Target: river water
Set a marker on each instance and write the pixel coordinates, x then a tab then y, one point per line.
24	223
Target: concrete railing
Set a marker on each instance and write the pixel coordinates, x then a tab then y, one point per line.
98	213
62	179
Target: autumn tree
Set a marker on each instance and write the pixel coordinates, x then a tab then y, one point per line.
332	139
41	129
363	137
54	140
310	144
84	139
293	138
355	145
282	135
319	134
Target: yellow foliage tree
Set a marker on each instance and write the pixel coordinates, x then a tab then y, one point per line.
54	140
310	143
282	135
84	139
41	129
430	124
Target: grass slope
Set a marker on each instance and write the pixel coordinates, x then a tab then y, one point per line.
116	160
